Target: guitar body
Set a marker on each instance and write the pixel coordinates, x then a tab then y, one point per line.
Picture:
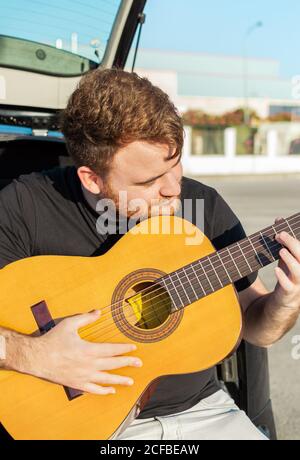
187	341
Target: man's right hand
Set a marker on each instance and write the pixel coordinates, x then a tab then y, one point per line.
62	357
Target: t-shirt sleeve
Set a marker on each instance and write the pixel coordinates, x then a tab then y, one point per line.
17	216
227	229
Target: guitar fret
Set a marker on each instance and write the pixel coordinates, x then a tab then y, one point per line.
295	226
185	293
255	252
278	245
180	300
234	262
192	266
208	258
172	294
238	244
229	277
201	266
290	228
196	296
266	244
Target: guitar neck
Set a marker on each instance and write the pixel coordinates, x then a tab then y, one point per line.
223	267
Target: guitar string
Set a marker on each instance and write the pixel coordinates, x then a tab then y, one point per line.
101	323
212	255
188	281
173	288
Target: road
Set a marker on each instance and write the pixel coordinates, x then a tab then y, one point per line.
257	201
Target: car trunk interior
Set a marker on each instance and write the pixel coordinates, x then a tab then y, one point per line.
37	110
23	155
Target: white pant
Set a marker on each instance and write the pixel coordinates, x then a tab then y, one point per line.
216	417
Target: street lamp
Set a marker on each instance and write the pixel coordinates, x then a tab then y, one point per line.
249	31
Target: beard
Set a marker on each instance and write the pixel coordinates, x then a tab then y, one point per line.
141	209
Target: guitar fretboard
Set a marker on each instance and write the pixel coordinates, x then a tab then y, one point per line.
223	267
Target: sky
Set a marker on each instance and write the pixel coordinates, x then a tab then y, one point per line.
220	27
210	26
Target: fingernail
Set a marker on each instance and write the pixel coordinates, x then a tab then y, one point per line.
138	363
130	382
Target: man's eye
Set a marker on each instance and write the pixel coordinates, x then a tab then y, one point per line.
147	184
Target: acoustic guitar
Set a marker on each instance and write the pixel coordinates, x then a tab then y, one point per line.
155	288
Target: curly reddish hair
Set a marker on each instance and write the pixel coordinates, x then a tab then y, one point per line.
111	108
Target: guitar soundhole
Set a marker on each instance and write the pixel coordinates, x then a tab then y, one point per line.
142	309
149	307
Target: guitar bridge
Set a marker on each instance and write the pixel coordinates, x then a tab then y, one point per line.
45	322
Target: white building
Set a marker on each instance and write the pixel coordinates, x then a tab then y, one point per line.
218	84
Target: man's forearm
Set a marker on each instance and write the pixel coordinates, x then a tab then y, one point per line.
19	349
265	322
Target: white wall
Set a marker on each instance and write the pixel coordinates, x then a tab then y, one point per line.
230	163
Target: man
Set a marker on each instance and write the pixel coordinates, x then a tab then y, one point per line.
125	135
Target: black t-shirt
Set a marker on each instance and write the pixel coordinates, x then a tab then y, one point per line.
47	214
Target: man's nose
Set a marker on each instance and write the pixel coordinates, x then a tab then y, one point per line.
170	186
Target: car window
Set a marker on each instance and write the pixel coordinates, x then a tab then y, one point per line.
58	37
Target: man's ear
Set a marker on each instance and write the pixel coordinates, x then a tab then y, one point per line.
90	180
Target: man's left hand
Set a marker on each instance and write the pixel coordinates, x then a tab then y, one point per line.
287	290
